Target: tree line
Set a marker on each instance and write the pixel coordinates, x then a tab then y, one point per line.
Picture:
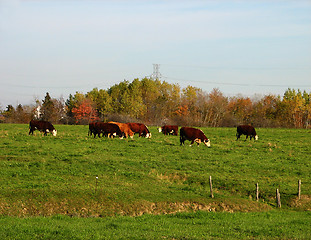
157	102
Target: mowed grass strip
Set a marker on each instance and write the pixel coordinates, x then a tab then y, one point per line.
43	176
198	225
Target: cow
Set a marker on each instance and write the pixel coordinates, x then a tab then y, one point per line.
107	129
42	126
125	129
92	128
246	130
193	135
169	129
141	129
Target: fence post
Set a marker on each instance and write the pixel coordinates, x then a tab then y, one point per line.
257	192
299	189
96	180
278	198
211	186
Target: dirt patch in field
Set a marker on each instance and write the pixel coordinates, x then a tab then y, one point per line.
304	203
80	208
175	207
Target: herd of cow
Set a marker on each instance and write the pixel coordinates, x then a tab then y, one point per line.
112	129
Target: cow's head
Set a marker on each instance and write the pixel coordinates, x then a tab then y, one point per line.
148	135
160	129
207	142
54	132
256	137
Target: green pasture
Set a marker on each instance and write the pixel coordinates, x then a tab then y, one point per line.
198	225
55	176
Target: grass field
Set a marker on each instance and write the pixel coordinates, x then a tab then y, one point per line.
53	176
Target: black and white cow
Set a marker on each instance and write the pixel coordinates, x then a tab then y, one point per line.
246	130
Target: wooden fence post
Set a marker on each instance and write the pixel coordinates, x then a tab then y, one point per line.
299	189
211	186
96	180
278	198
257	192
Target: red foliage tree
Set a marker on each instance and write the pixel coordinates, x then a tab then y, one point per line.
85	112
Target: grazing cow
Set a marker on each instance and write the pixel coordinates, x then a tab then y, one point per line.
91	128
193	135
246	130
141	129
169	129
107	129
125	129
42	126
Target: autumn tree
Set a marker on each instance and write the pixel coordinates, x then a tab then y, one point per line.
189	102
9	113
85	112
241	109
157	102
292	108
214	109
307	110
168	104
266	110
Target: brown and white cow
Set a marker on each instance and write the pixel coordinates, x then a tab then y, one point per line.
169	129
107	129
193	135
246	130
42	126
141	129
125	129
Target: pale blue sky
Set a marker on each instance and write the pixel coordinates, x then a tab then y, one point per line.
241	47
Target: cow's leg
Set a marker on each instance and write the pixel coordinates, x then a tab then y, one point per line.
182	141
238	136
95	132
246	137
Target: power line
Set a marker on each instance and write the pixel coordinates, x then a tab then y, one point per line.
236	84
238	68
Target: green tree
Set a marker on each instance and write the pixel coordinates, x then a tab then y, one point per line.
135	105
47	109
118	95
69	106
168	102
150	91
